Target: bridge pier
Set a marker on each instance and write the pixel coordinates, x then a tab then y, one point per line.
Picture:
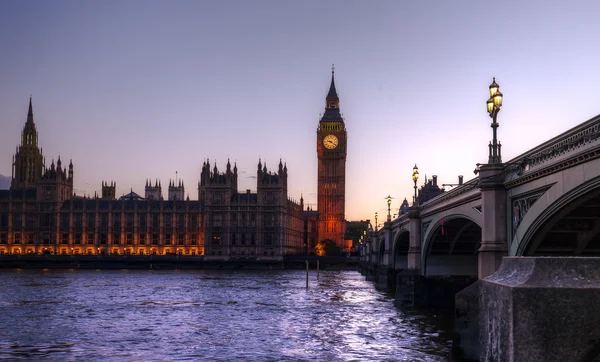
414	248
385	278
493	208
465	344
434	291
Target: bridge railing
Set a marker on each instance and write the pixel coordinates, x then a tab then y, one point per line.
578	139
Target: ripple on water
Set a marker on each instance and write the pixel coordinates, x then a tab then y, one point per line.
220	316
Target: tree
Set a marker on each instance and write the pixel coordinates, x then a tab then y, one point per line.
327	247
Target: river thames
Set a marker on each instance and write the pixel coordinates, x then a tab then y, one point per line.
145	315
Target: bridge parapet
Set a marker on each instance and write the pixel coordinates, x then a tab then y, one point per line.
582	142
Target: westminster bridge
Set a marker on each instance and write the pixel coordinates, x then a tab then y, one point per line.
544	202
444	253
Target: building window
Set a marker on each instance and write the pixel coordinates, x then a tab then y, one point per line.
4	221
90	238
78	239
181	239
78	220
91	221
142	220
103	239
30	223
217	239
116	238
217	220
64	238
129	238
17	222
29	238
233	238
167	239
142	239
252	239
194	239
116	219
3	238
168	221
154	239
243	239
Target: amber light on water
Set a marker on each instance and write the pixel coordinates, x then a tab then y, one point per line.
132	315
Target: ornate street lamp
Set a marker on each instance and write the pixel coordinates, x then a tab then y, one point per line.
493	107
415	177
389	203
375	220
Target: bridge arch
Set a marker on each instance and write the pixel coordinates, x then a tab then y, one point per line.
400	249
451	245
568	225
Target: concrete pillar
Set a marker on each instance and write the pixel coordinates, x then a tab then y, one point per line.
414	249
541	309
493	208
388	253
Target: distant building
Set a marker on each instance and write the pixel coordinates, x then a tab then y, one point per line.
356	231
429	190
40	214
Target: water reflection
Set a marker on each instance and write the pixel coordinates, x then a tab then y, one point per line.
215	315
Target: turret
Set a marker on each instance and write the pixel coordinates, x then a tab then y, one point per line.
109	191
27	166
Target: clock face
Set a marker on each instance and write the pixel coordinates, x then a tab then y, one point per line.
330	141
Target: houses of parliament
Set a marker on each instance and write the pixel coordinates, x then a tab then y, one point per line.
40	214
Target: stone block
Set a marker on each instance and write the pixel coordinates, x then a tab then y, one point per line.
541	309
465	345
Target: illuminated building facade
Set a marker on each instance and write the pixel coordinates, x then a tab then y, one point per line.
40	214
331	184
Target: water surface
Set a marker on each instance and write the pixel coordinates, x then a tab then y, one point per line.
149	315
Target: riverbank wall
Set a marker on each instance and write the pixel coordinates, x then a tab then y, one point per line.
170	262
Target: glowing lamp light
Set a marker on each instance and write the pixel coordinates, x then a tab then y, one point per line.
498	99
490	104
415	175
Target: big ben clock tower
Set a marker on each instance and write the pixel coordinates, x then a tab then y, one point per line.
331	154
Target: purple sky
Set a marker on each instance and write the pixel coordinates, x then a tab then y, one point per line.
141	89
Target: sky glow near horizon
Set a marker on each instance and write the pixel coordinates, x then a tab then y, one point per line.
141	90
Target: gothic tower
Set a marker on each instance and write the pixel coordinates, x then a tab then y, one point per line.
28	162
331	154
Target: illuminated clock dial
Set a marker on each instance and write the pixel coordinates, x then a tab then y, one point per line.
330	141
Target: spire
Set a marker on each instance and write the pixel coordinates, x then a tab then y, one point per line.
332	103
332	92
30	113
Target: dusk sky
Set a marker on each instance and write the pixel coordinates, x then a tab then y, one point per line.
131	90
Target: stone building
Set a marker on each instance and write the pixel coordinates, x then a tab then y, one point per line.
40	214
261	225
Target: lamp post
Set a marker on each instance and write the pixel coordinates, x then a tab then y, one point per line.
375	220
389	203
493	107
415	177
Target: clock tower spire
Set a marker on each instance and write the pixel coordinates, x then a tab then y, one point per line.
331	155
